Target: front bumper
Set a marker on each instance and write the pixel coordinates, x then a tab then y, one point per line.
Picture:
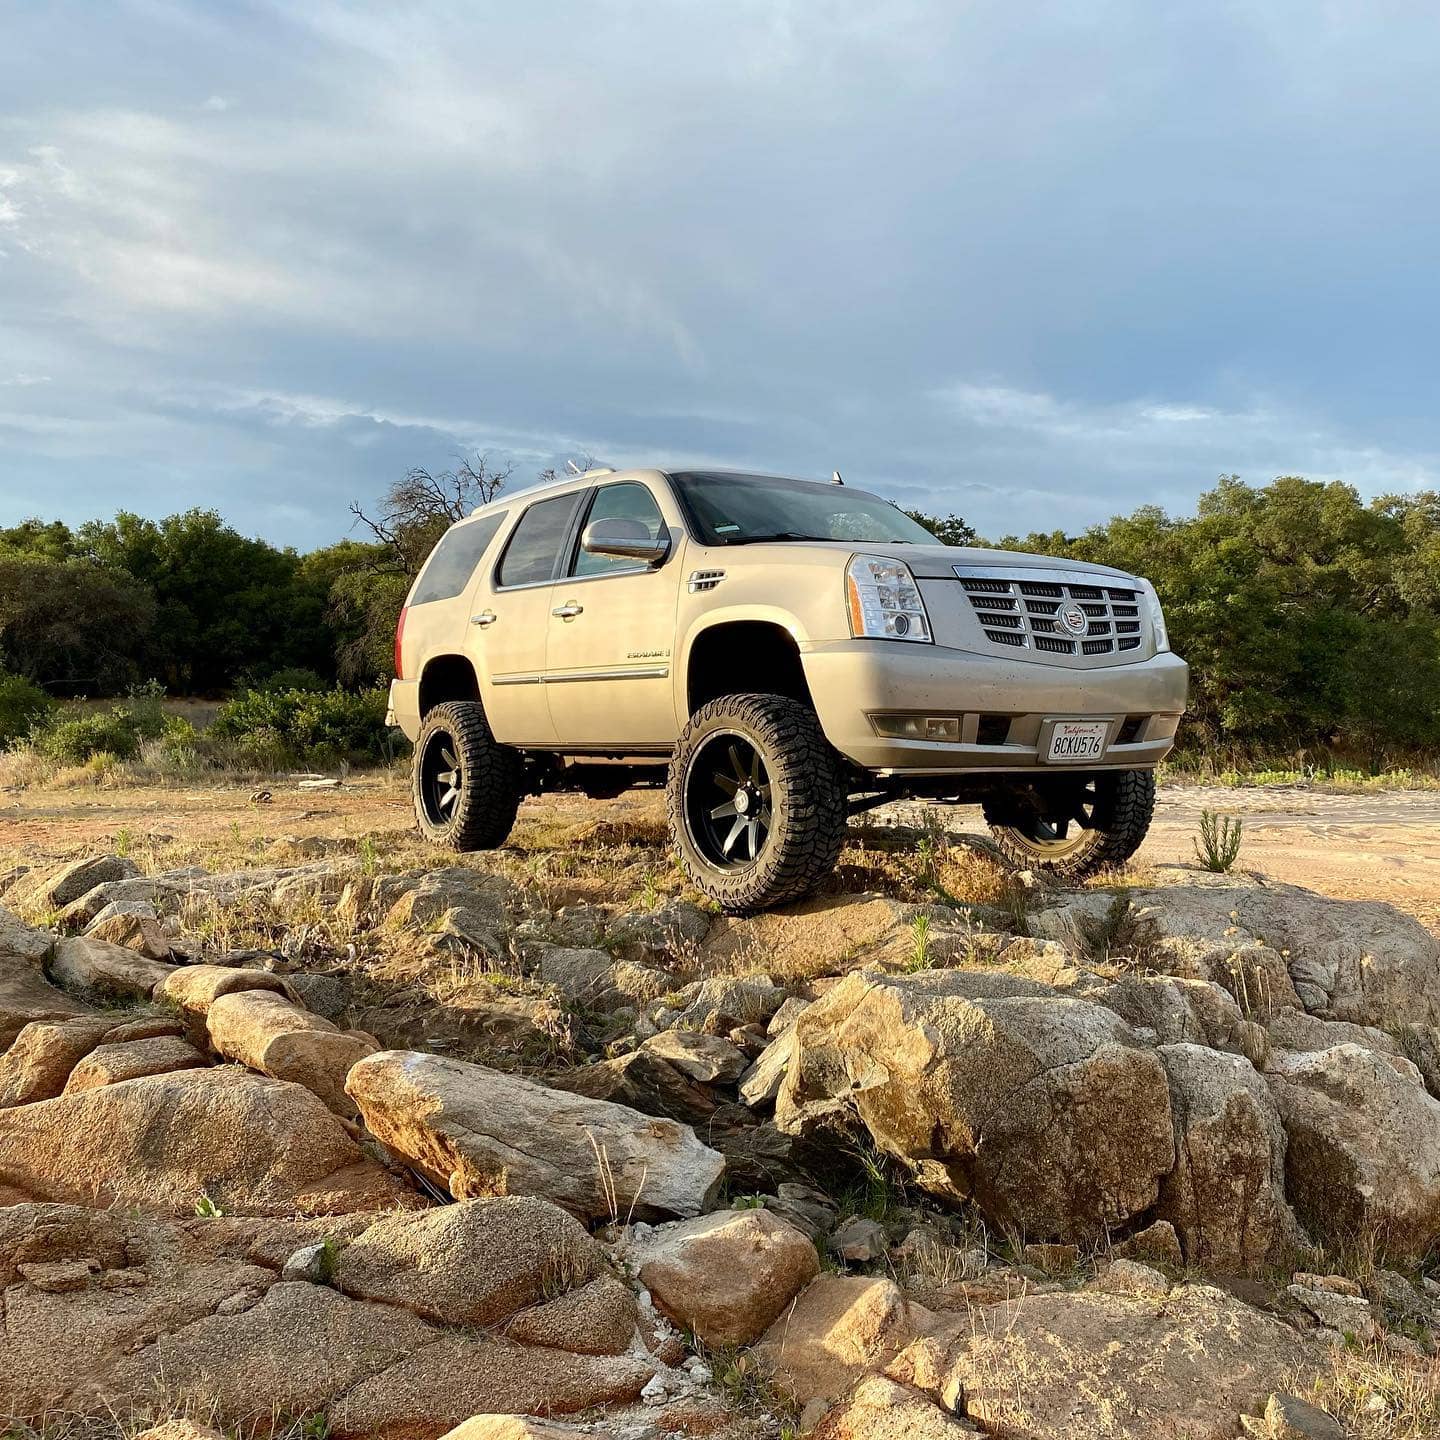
851	680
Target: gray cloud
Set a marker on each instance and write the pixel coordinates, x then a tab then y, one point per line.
1038	265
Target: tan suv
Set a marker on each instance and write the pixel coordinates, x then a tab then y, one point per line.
795	653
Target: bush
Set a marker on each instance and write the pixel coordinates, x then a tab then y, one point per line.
310	727
23	705
295	678
76	740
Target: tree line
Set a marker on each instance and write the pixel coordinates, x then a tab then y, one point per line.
1311	618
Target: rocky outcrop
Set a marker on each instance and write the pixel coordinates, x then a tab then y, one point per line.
1043	1108
269	1033
478	1132
26	996
724	1277
160	1144
100	971
1226	1194
1364	1148
41	1057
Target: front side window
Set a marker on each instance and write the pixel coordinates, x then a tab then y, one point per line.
743	509
534	548
452	562
633	506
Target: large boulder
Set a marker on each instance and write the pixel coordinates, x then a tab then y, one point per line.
479	1132
113	1062
164	896
104	972
1095	1365
55	889
1043	1108
725	1277
21	941
1364	1148
878	1408
40	1059
1226	1195
251	1145
26	996
193	989
1273	945
270	1034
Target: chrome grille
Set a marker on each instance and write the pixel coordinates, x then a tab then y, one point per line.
1022	612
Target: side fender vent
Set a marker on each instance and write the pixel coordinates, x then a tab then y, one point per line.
705	580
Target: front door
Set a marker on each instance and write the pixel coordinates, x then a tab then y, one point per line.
612	632
510	622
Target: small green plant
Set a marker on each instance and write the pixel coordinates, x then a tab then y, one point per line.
368	855
919	957
124	841
1219	844
207	1209
748	1202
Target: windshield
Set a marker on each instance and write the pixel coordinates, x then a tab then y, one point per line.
736	509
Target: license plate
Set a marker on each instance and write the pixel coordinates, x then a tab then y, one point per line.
1074	741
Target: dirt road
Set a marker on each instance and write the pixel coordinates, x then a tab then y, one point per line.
1382	846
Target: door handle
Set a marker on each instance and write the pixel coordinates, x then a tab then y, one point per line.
485	617
568	611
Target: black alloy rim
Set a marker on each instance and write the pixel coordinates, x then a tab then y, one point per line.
727	801
442	778
1053	830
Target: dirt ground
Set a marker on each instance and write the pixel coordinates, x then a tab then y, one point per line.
1383	846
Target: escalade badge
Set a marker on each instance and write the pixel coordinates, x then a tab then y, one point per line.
1074	619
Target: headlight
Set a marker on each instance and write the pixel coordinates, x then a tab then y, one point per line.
1156	614
884	600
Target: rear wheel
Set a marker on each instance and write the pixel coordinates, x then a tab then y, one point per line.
1074	826
465	784
756	801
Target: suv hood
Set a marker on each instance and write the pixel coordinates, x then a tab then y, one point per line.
937	562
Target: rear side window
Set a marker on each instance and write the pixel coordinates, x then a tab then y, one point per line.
452	562
534	548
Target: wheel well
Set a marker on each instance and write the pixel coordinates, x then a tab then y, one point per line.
447	677
741	656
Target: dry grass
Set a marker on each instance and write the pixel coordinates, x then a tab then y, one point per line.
1378	1395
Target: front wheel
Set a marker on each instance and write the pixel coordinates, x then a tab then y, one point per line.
756	801
465	784
1073	826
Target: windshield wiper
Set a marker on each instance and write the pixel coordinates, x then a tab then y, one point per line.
774	535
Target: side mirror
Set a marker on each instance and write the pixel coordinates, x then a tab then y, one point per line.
625	540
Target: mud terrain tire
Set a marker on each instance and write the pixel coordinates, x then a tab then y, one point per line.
465	784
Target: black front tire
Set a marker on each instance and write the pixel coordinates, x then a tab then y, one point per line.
465	784
1076	827
756	801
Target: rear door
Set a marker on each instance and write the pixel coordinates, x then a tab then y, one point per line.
510	621
612	629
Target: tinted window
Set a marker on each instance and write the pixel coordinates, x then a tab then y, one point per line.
733	509
635	505
535	546
452	562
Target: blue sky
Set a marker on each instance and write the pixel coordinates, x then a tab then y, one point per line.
1036	264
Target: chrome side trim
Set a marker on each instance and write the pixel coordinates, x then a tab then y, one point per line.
640	672
517	679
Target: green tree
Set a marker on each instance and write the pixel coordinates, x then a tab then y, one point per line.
947	529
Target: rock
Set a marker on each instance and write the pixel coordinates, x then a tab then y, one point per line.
1076	1116
877	1408
674	930
1198	1012
475	906
21	941
58	888
1289	1418
111	1063
313	1262
511	1427
39	1061
180	1430
1398	1300
840	1328
60	1278
478	1132
100	971
140	933
1364	1148
193	989
717	1005
1052	1259
26	996
706	1058
1156	1244
1345	1314
810	1211
1130	1277
725	1276
1226	1194
476	1263
1299	1030
270	1034
164	897
760	1085
793	1008
642	1081
254	1146
859	1241
1089	1364
599	1318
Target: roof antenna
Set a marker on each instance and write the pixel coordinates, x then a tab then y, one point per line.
572	468
835	478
